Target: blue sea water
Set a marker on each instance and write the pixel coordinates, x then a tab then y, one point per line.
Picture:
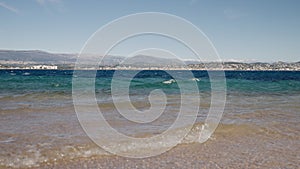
28	81
38	119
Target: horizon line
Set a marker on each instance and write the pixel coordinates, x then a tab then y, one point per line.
120	55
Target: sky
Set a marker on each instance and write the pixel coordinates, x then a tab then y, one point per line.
240	30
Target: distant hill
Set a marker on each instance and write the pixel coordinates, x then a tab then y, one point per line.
21	58
35	56
42	57
144	61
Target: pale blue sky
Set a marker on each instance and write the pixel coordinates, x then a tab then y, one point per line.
253	30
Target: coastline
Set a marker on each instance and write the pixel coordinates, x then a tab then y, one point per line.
177	69
185	65
226	149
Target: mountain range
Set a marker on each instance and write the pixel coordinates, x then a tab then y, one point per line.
42	57
33	57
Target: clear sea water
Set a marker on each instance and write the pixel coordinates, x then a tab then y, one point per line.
38	123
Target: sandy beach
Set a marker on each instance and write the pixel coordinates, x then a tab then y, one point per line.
228	148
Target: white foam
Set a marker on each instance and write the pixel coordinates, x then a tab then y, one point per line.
169	81
195	79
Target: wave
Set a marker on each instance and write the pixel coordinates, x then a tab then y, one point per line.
195	79
169	81
36	154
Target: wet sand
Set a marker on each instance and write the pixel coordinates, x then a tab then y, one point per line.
226	149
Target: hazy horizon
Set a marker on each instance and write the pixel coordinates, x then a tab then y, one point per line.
265	31
150	55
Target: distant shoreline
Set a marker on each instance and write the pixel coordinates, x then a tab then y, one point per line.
210	66
36	60
227	70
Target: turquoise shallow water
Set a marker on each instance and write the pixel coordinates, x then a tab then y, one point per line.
38	122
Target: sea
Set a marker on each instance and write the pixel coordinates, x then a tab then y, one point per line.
39	124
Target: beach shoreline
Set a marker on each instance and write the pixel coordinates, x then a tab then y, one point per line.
226	149
259	127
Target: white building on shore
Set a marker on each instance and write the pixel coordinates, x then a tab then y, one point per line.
43	67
